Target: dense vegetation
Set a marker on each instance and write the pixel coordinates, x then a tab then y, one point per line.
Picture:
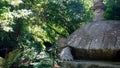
29	29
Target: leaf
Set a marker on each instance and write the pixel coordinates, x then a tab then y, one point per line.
12	57
1	62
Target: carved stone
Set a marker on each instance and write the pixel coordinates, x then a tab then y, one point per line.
99	6
61	43
97	1
66	54
90	64
99	40
99	9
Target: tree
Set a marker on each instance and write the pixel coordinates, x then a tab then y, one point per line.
33	26
113	9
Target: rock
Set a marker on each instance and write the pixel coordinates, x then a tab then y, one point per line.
98	40
90	64
99	9
66	54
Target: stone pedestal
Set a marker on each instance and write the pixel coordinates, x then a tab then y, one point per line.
90	64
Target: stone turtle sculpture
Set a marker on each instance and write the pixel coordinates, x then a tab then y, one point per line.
99	40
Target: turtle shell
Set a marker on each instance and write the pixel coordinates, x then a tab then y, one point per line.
96	40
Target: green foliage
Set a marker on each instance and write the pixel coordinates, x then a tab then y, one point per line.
66	15
45	63
11	58
88	10
113	9
2	60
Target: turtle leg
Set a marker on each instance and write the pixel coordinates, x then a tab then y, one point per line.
66	55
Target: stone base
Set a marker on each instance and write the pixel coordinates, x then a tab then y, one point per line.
90	64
